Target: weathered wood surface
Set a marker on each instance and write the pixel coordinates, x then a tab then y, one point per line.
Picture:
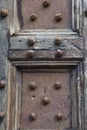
45	54
45	42
85	62
3	62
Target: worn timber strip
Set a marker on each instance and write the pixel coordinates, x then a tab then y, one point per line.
45	54
21	42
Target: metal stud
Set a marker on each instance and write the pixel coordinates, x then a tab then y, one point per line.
59	116
32	116
33	17
46	101
86	12
58	41
58	53
31	41
32	85
3	12
57	85
2	114
46	3
58	17
2	84
30	54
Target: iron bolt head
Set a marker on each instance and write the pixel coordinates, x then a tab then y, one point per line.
3	12
86	12
2	84
57	85
58	41
32	85
58	53
33	17
46	3
2	114
32	116
30	54
58	17
31	41
46	101
59	116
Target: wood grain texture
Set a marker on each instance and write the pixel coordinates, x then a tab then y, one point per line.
45	42
3	64
85	62
45	55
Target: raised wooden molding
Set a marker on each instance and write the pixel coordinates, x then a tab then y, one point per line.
76	17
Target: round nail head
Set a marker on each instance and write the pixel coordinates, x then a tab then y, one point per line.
3	12
33	17
2	114
46	101
58	41
58	17
57	85
86	12
32	86
2	84
46	3
58	53
59	117
30	54
31	41
32	116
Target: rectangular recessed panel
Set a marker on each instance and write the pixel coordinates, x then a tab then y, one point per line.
44	16
58	101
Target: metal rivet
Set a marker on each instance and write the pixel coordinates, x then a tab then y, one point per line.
46	3
2	84
3	12
33	17
32	85
32	116
2	114
58	41
30	54
86	12
45	101
57	85
58	53
31	41
58	17
59	116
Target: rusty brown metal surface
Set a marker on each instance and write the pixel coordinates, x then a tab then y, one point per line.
45	107
35	16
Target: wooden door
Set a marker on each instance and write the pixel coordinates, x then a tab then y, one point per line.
44	54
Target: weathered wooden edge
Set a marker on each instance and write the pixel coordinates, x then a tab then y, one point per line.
76	11
3	62
45	42
85	60
15	55
14	95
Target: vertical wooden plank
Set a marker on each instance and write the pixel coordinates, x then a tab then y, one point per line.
85	64
14	24
73	13
3	61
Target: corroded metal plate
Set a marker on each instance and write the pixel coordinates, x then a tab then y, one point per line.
32	101
45	17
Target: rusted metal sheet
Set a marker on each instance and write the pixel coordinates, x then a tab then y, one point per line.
37	14
45	101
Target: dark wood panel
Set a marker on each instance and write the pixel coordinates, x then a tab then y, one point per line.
58	100
44	54
45	17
